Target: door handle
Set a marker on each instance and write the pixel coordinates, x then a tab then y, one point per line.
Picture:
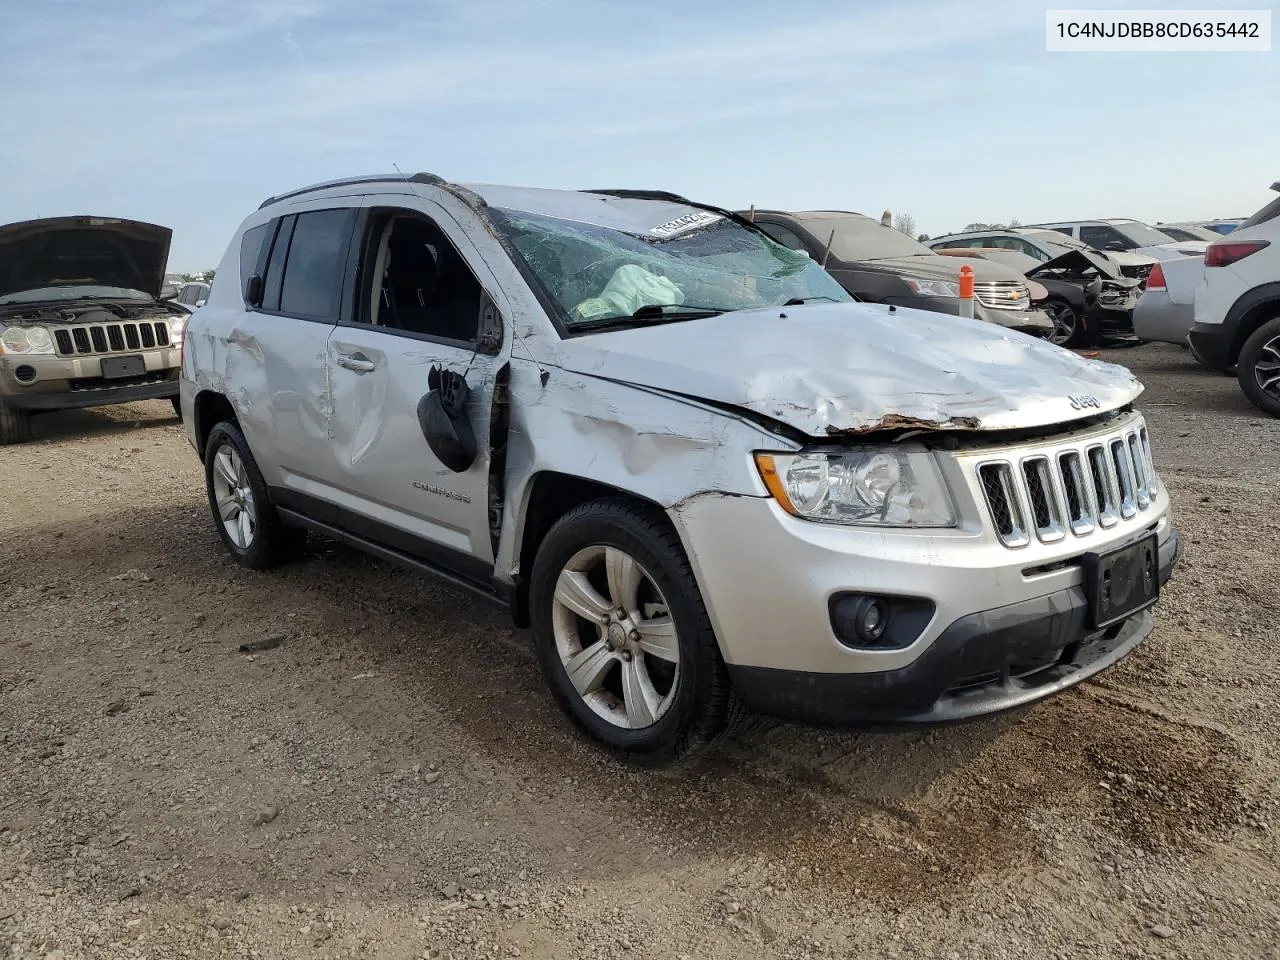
356	362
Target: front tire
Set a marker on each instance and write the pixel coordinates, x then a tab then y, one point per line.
15	425
1258	368
1068	331
243	514
622	634
177	406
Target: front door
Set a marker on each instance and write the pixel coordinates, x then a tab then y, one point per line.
423	309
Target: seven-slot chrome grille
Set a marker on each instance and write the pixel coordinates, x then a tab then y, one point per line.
94	338
1072	490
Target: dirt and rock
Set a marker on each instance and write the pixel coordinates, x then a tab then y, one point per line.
340	759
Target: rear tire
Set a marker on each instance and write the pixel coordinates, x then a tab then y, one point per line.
1258	368
177	406
614	602
243	514
15	425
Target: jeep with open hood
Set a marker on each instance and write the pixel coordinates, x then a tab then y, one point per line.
81	319
679	451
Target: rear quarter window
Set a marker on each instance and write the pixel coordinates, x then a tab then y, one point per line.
251	249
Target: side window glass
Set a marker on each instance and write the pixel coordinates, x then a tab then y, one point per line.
782	235
312	285
275	266
251	250
416	281
1099	237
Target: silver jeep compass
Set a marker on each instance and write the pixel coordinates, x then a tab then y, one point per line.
677	450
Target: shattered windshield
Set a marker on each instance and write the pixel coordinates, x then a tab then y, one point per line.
697	265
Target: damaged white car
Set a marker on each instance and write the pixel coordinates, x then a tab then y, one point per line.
679	451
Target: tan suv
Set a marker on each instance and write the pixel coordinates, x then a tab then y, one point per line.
81	319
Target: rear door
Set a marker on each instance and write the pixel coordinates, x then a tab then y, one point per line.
424	301
281	348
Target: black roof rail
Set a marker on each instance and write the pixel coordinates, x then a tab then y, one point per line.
428	178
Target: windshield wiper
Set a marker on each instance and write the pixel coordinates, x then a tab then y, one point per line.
801	301
649	313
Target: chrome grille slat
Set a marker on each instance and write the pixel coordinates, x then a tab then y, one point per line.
1047	512
1004	503
1123	466
1052	493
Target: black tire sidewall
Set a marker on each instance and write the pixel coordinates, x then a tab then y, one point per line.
15	424
1245	372
258	554
604	524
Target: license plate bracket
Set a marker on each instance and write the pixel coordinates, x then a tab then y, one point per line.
115	368
1121	582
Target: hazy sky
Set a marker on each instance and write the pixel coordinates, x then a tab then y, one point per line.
190	113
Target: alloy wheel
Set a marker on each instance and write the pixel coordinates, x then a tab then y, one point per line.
1064	321
234	496
1266	369
615	637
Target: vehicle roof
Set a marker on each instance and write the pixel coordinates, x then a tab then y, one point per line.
633	211
1084	223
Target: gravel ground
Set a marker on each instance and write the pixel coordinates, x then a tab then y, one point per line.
391	780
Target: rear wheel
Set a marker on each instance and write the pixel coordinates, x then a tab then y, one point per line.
177	406
246	520
1258	368
622	634
15	424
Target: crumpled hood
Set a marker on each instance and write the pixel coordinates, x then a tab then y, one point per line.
828	369
946	268
1078	260
88	251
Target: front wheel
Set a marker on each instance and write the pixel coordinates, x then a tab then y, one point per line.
177	406
1067	329
623	637
15	424
1258	368
246	520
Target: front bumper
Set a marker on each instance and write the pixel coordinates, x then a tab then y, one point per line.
981	664
59	383
773	586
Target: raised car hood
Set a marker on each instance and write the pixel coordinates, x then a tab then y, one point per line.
1078	261
831	369
83	251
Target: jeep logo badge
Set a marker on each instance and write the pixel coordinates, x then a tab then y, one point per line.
1084	402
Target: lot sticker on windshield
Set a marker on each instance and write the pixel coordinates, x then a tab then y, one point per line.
690	221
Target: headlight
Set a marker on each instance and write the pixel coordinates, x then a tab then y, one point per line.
26	340
932	288
176	326
875	486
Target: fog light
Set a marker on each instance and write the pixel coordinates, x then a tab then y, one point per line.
25	373
883	621
869	619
